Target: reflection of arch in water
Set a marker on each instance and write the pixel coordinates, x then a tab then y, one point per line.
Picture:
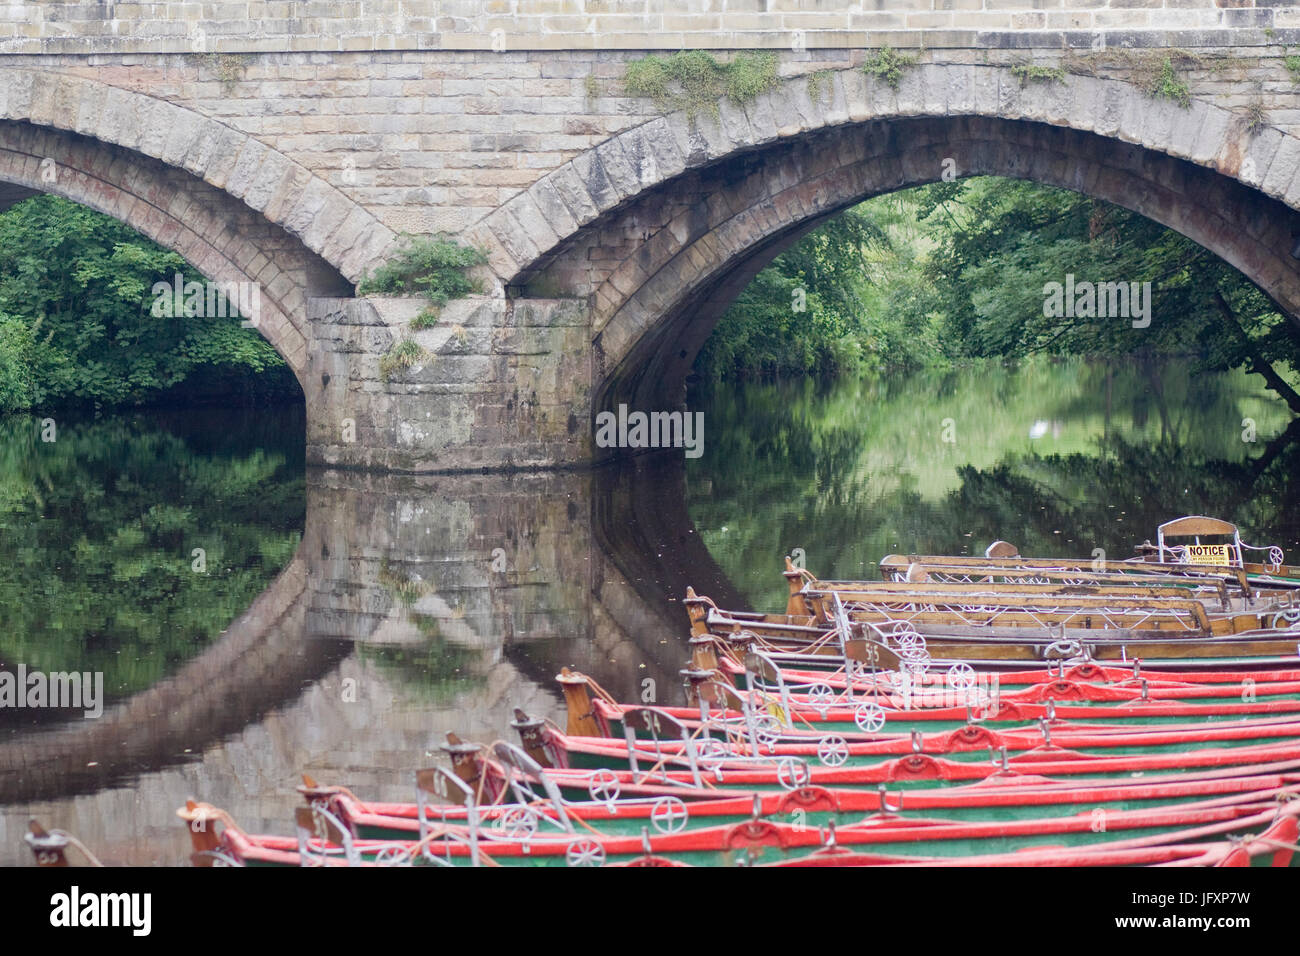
642	526
595	563
597	567
257	664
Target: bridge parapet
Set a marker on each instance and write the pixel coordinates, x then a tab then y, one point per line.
317	25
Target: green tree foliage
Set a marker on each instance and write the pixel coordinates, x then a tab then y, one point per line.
76	322
999	242
804	312
955	271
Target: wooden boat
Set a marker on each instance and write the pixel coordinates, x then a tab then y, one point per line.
1199	609
1273	846
1137	607
953	639
1196	560
963	569
673	808
759	839
50	847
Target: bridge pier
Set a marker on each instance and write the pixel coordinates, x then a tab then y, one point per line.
497	385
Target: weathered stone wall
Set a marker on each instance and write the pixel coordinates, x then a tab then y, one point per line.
334	25
500	383
436	141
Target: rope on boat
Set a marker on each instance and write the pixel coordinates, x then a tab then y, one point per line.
1269	841
444	830
603	694
85	851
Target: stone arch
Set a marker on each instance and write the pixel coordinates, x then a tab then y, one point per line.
232	207
663	224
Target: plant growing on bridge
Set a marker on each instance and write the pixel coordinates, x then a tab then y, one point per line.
889	64
1155	73
1032	71
1170	86
819	82
433	267
1256	115
692	80
229	67
405	354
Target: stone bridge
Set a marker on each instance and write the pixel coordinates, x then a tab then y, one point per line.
291	144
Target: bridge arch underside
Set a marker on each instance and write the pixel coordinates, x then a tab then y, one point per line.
662	270
220	236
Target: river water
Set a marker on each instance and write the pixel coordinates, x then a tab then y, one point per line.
253	620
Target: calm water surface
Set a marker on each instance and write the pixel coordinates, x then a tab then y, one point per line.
254	621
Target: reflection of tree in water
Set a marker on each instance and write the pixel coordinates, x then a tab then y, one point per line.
1118	499
435	670
854	471
774	476
98	529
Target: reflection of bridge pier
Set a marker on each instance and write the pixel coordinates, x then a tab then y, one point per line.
335	669
579	568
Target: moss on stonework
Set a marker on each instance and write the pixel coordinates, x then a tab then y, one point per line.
819	82
692	80
435	268
404	355
229	67
1027	72
889	64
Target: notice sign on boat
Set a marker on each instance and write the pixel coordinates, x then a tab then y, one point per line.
1207	554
